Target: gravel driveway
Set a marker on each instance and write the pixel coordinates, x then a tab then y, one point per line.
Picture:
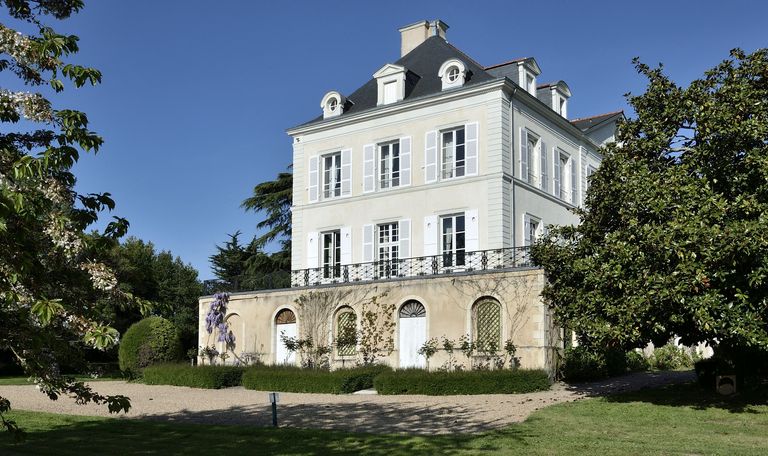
356	413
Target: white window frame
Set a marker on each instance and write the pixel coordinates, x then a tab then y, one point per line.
330	256
386	182
453	149
453	257
529	236
534	159
332	189
387	251
566	175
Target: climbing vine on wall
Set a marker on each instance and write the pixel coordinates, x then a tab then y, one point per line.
215	320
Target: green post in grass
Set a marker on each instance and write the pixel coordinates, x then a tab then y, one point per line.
274	398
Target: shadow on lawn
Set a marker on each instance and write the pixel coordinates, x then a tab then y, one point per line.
366	417
130	436
694	396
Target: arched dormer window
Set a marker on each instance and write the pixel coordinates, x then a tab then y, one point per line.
332	104
453	73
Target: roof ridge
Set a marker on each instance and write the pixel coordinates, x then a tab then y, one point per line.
620	111
464	54
520	59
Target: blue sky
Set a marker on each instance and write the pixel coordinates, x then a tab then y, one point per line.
197	95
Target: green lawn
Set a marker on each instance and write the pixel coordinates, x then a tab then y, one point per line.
677	420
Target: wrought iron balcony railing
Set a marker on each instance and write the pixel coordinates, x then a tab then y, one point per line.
457	262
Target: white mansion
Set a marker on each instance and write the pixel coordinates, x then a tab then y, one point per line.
428	183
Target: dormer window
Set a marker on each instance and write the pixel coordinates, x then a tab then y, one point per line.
332	104
528	70
452	73
390	80
530	83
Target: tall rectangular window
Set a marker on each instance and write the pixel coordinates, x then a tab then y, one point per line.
590	171
453	153
332	175
389	165
453	240
390	92
388	247
331	245
565	176
533	164
531	230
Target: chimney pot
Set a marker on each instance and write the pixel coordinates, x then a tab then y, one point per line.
413	35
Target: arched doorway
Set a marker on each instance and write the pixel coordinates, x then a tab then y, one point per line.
413	333
285	326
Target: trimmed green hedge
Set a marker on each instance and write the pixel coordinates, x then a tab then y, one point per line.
153	340
418	381
212	377
296	380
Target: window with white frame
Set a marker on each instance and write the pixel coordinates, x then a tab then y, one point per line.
389	165
530	83
390	92
453	240
532	228
332	175
453	158
562	106
590	171
532	148
331	253
388	246
564	173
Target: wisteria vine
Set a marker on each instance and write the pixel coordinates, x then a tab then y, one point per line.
215	319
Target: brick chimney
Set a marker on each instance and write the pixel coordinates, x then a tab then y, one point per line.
413	35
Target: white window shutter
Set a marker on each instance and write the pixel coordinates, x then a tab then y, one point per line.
430	235
544	181
367	243
430	157
470	148
346	245
471	224
314	176
404	233
405	161
346	172
526	230
574	182
369	168
523	154
558	187
313	249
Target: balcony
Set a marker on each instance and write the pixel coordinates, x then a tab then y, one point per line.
416	267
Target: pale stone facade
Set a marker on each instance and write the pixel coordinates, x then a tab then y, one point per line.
448	302
433	173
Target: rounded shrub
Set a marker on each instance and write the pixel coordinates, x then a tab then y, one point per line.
150	341
670	357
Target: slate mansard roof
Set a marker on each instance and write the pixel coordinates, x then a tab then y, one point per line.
423	64
588	123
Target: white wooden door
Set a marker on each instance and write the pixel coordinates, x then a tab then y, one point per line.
282	355
413	334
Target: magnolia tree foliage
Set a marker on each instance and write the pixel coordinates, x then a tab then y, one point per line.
672	239
50	273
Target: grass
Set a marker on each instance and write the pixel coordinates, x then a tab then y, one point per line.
676	420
